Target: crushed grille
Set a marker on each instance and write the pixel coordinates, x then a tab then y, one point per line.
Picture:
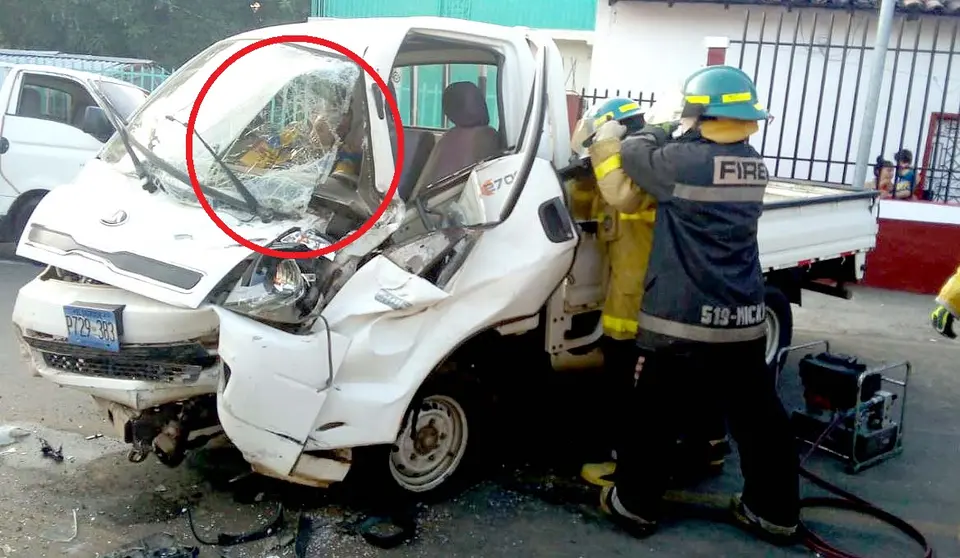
173	363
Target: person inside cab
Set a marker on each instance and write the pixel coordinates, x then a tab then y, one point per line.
335	123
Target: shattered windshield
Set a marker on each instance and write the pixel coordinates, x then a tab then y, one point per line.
287	120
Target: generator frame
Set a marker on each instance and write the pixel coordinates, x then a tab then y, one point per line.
853	464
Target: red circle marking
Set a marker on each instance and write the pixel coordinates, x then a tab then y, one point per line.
398	164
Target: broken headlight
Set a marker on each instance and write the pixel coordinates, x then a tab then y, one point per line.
283	290
271	290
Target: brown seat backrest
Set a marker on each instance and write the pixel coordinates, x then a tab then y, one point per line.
471	138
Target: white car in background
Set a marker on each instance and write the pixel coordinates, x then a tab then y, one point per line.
52	121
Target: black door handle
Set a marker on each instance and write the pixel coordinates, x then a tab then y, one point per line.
4	145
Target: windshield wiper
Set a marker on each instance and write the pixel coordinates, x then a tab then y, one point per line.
151	184
253	205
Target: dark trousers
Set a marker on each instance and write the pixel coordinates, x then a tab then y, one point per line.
678	386
619	362
695	452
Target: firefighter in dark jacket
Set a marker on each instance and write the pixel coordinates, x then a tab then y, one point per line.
626	215
701	322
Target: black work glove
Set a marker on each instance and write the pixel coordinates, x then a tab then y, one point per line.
942	321
656	133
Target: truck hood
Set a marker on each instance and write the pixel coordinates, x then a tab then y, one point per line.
103	225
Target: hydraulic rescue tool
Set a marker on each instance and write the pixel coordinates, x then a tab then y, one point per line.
846	410
843	389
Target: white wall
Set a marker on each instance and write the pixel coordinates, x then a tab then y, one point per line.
576	63
647	46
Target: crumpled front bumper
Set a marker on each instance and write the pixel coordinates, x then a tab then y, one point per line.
167	354
272	388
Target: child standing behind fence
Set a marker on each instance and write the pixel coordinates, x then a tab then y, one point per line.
883	175
905	181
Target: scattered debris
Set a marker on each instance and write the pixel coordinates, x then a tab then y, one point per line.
12	434
47	450
227	539
160	488
388	531
285	539
160	545
75	530
94	436
302	540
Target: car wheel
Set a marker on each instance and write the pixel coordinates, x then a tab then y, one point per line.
19	221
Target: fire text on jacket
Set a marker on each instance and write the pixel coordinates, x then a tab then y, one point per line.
739	171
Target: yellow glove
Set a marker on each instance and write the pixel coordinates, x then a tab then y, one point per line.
942	320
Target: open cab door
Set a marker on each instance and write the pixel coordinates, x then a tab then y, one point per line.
573	312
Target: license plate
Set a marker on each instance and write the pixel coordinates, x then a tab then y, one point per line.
97	326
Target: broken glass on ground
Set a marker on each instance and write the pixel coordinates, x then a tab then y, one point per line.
60	534
12	434
159	545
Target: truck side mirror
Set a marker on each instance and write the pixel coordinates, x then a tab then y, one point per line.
96	124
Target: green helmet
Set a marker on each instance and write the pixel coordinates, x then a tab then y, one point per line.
722	92
621	109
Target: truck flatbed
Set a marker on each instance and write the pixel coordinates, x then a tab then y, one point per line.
807	222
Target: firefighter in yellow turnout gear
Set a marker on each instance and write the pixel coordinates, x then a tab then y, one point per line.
948	307
625	216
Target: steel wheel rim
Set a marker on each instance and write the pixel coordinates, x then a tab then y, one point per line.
423	462
773	336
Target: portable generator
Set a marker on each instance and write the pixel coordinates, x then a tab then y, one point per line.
844	395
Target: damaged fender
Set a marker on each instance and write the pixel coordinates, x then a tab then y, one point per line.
274	384
382	286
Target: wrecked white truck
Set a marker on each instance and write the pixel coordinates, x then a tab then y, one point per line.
363	360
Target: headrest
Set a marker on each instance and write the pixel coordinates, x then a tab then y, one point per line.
30	95
465	105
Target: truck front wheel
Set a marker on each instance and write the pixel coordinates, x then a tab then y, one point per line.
428	454
433	454
779	323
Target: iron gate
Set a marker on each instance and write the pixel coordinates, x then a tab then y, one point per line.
811	70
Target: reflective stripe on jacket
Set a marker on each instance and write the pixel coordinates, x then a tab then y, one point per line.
949	296
704	283
625	216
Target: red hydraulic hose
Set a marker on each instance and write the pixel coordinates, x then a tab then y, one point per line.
850	502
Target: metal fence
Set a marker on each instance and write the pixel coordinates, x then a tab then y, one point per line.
591	99
148	78
810	68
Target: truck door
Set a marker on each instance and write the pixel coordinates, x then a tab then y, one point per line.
7	192
45	146
573	312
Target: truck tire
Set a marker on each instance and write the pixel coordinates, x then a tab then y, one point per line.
438	461
779	323
22	213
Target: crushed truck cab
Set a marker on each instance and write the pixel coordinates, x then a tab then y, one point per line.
367	360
